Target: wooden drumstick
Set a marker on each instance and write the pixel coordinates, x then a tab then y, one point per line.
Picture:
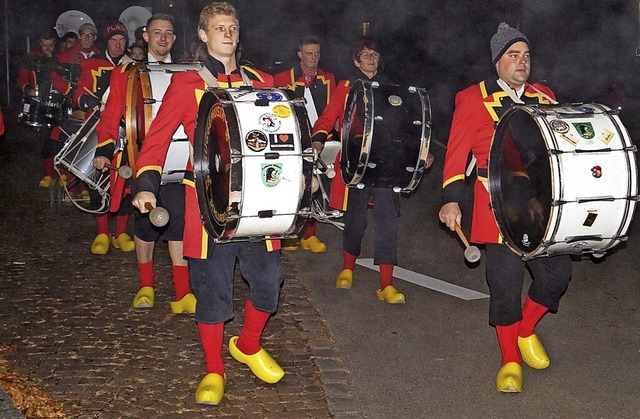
124	172
329	171
471	253
158	216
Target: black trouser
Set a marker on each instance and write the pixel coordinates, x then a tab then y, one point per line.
505	276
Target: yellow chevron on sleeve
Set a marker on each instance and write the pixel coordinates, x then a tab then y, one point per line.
147	168
452	179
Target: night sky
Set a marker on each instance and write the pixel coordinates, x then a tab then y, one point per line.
579	46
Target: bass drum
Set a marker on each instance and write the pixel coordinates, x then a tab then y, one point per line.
562	180
252	164
146	87
385	136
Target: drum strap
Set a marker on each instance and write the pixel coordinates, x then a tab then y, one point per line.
211	81
509	91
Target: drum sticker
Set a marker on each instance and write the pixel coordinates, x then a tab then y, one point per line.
281	142
591	218
395	100
559	126
271	173
569	138
596	172
282	111
256	140
270	122
525	240
585	129
606	136
271	96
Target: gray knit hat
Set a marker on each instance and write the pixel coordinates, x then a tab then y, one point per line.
503	39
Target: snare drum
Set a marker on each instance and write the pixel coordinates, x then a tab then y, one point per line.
562	180
46	110
385	136
146	87
252	163
77	156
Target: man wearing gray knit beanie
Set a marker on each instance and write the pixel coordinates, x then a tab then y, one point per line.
477	110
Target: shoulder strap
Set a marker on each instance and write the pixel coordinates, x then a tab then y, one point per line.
213	82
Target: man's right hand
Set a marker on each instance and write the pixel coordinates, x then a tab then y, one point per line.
450	214
142	198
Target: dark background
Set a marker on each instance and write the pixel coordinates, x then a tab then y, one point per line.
580	47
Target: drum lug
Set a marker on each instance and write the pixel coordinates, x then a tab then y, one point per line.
417	122
360	186
371	165
261	102
149	101
412	89
397	189
272	156
378	118
375	84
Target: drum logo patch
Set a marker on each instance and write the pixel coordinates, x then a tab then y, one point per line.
281	142
395	100
525	240
559	126
282	111
269	122
271	173
270	96
596	172
585	129
256	140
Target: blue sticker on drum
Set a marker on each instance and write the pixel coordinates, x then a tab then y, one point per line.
269	122
256	140
281	142
271	173
559	126
271	96
585	129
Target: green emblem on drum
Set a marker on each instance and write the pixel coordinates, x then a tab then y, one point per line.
395	100
271	173
559	126
585	129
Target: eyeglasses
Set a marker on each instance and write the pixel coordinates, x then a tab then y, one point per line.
370	55
87	35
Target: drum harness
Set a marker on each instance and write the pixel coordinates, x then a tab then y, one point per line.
512	95
211	81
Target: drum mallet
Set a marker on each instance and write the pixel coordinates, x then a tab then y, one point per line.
124	172
158	216
471	253
328	171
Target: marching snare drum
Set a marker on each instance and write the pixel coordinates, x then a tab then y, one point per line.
562	179
385	136
147	85
45	110
252	163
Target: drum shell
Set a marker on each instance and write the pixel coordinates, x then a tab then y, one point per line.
240	140
586	181
385	136
47	110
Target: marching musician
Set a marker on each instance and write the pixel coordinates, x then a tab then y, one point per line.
316	85
211	265
477	109
92	85
35	78
160	38
386	203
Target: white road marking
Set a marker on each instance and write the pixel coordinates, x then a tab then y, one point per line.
427	282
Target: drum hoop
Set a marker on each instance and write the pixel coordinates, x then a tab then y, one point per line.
365	148
131	121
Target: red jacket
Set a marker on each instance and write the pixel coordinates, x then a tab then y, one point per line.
321	87
477	109
73	55
180	106
29	77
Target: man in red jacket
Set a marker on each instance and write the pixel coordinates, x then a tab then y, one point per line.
477	110
316	86
211	265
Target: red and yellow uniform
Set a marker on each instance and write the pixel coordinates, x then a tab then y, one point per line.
180	106
321	86
73	55
478	109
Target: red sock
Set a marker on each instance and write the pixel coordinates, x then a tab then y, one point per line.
146	274
103	224
508	341
181	281
121	224
311	229
211	339
348	260
254	322
532	312
48	166
386	275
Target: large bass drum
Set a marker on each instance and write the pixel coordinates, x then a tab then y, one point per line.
252	164
562	180
385	136
146	87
